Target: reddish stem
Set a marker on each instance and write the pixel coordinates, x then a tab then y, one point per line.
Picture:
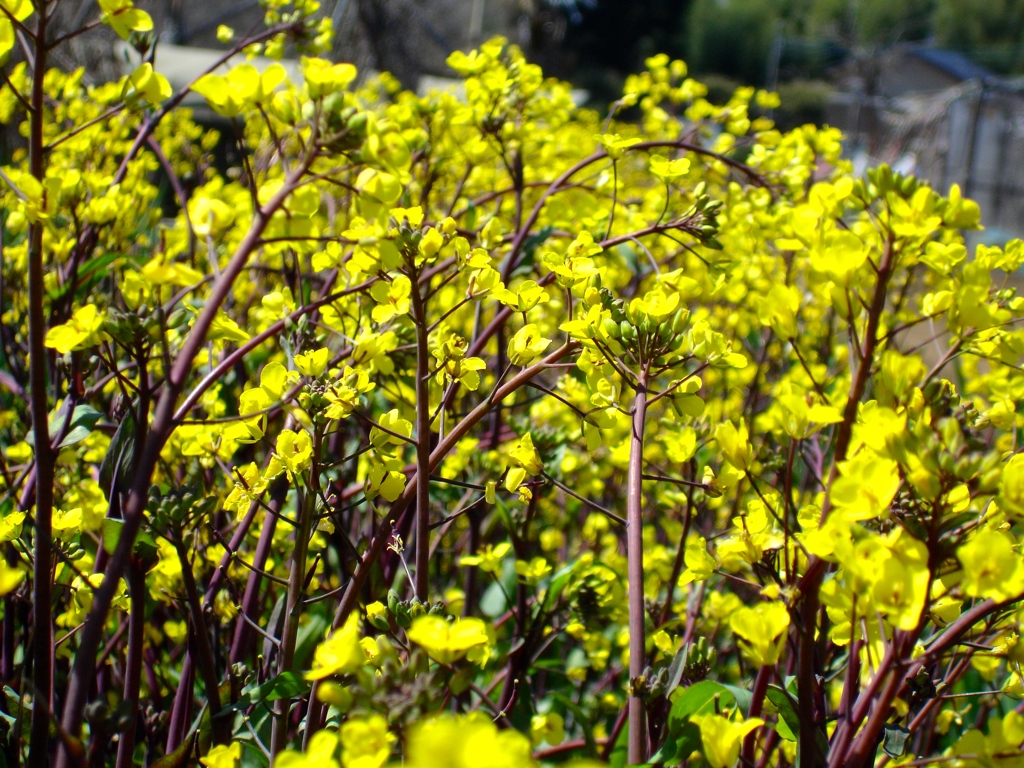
635	564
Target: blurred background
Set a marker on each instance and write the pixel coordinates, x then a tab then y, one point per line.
934	87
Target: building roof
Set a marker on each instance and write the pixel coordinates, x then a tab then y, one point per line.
952	63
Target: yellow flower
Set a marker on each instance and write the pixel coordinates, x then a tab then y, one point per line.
531	572
388	483
241	88
991	567
251	484
699	564
156	271
395	426
10	577
366	742
312	363
669	169
323	78
69	520
722	738
524	298
446	642
392	298
147	84
340	653
1011	486
465	741
614	144
321	753
226	329
124	18
83	330
344	395
223	756
453	365
293	454
735	444
526	345
548	728
527	459
489	558
210	216
431	242
761	630
377	614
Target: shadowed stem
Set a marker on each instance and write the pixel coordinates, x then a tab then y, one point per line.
163	423
293	611
811	581
133	664
42	619
204	650
447	444
422	520
635	558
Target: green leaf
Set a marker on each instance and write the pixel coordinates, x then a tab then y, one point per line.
286	685
310	635
688	405
493	603
694	700
145	546
558	584
676	669
742	698
894	743
89	274
582	718
619	756
789	722
530	245
83	419
120	455
461	681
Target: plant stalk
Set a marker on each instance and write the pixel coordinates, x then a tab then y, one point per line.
163	423
293	606
42	619
133	664
422	443
204	650
635	559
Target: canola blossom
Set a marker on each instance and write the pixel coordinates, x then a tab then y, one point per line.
485	430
